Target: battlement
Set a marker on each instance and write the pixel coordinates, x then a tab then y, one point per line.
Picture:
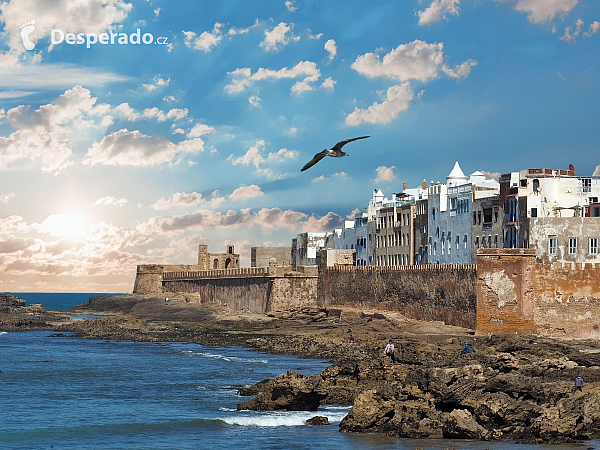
417	268
216	273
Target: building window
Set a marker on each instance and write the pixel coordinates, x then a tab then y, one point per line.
430	246
437	232
465	241
533	212
496	241
435	248
572	245
477	242
474	218
593	246
457	241
552	245
433	213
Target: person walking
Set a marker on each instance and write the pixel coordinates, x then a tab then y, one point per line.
389	351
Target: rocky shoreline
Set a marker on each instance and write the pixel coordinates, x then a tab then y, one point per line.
516	388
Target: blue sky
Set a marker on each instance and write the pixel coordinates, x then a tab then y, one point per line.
117	155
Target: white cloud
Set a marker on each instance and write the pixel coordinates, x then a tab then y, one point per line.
314	36
291	5
58	76
179	199
460	71
291	131
331	48
161	116
278	37
318	179
385	174
4	198
267	219
594	28
132	148
282	155
437	11
568	37
255	156
329	83
252	157
254	101
243	78
126	111
169	98
233	31
44	133
539	11
416	60
341	175
157	11
111	201
206	41
246	192
158	82
597	172
200	129
396	100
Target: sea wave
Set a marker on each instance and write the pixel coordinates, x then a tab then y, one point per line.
283	419
3	332
227	358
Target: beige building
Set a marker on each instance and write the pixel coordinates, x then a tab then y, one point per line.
209	261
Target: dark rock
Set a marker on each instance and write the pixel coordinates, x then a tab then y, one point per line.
317	420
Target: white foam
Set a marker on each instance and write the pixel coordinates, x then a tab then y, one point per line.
3	332
228	358
284	419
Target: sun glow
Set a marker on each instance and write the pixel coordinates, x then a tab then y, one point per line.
70	225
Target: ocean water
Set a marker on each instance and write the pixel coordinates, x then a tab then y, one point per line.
71	393
59	301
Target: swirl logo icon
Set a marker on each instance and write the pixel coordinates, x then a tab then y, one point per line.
26	30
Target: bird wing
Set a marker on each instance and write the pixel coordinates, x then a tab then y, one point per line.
340	144
318	157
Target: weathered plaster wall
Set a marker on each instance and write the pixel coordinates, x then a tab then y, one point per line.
582	228
505	295
516	293
567	300
434	293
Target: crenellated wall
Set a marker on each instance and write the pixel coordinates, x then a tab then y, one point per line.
426	292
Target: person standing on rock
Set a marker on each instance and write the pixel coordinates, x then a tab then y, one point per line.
389	351
466	350
578	384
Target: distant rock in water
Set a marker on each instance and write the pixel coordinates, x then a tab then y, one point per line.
317	420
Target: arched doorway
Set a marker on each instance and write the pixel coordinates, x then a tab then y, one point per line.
216	264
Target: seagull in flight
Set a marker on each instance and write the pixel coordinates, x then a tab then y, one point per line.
335	152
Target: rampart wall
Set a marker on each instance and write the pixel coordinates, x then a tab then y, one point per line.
444	293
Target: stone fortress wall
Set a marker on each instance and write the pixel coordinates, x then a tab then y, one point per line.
508	291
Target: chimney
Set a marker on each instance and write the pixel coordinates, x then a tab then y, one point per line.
404	187
424	184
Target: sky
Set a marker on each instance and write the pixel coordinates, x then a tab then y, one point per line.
134	147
